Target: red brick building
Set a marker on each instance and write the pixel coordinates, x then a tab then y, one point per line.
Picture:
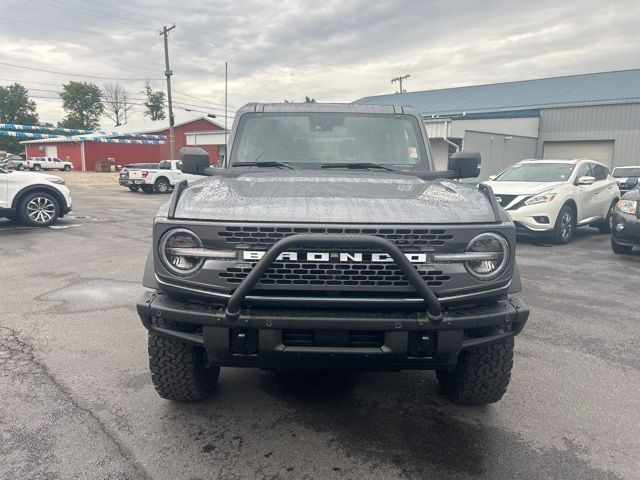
84	154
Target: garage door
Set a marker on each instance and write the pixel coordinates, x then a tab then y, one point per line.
601	150
51	151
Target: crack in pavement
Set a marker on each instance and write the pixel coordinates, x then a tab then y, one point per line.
33	430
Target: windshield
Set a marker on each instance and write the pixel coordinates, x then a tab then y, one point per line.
624	172
536	172
314	139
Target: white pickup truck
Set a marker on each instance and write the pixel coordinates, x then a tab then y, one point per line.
47	163
161	179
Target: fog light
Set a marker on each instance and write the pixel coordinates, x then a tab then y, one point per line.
620	227
541	219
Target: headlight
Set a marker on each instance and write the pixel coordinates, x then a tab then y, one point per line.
57	180
542	198
488	243
628	206
174	248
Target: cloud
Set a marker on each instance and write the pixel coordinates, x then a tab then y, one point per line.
332	50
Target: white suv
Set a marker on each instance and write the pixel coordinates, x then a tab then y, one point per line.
47	163
36	199
556	196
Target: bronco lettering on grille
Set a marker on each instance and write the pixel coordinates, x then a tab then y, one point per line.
344	257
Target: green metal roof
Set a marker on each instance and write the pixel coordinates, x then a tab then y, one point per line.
587	89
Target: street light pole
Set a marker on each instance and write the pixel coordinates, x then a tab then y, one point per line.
168	73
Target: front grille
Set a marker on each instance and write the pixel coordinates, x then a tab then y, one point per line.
333	338
409	239
329	275
505	200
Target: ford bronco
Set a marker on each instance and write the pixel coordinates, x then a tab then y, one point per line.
329	240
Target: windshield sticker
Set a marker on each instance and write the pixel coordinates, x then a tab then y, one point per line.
413	152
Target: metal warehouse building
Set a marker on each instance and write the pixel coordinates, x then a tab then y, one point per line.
594	116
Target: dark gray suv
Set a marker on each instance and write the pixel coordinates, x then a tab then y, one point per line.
328	240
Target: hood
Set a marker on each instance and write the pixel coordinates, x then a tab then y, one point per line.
633	194
522	188
33	177
333	197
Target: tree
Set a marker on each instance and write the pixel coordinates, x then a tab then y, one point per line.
154	105
116	107
16	107
83	103
307	99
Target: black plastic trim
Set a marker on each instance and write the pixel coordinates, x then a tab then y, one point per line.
488	192
173	202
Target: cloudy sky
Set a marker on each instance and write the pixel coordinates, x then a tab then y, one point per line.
330	50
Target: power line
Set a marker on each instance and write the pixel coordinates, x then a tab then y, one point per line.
199	98
179	103
75	74
48	25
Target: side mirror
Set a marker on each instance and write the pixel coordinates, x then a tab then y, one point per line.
465	164
586	180
492	177
194	160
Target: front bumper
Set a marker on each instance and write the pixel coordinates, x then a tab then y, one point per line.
527	218
262	337
630	234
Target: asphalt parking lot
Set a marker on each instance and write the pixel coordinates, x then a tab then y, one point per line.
77	399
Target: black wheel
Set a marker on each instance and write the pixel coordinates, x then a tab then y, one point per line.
36	168
481	375
38	209
565	226
20	167
180	371
607	225
162	185
67	168
620	249
147	188
134	188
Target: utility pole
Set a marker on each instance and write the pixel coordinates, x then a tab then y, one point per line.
399	80
168	73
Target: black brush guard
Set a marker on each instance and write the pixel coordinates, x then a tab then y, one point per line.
432	304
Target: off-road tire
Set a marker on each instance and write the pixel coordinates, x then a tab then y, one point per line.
67	168
36	168
605	226
179	370
162	185
20	167
133	188
620	249
560	236
481	375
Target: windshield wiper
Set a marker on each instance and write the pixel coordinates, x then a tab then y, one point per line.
356	165
263	164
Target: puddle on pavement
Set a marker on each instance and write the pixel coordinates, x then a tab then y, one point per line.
92	295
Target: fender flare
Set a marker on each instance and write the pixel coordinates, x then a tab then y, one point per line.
40	187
